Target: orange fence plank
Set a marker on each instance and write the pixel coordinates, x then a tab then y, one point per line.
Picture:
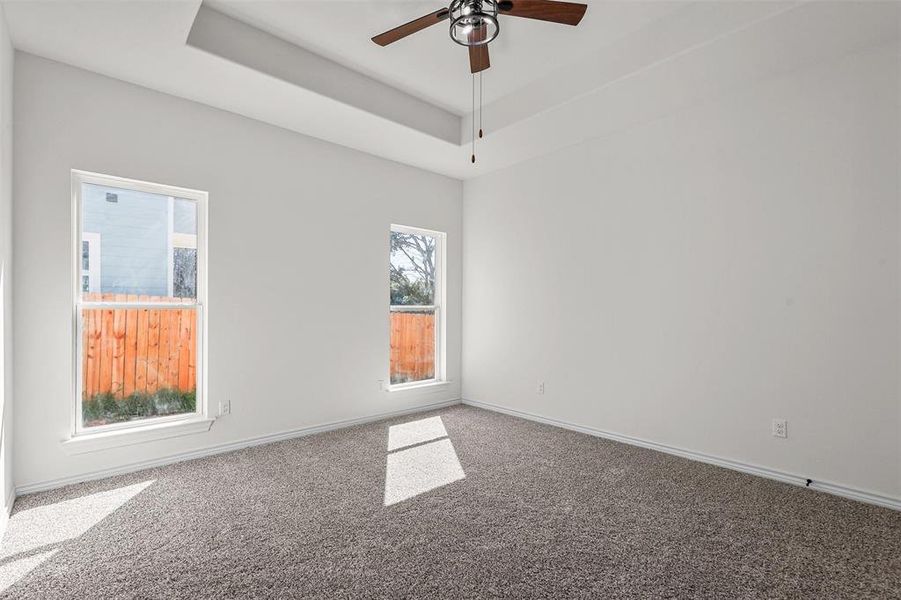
131	347
153	349
118	367
141	348
97	328
162	375
174	343
192	351
91	348
184	377
106	351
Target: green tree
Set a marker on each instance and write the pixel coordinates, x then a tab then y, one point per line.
412	269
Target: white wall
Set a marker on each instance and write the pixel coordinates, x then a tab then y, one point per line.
289	217
6	256
689	278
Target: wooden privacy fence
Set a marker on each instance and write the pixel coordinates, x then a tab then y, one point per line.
412	346
129	350
142	350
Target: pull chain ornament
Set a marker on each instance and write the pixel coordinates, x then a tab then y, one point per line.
473	113
480	104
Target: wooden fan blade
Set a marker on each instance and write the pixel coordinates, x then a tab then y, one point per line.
478	55
392	35
478	58
568	13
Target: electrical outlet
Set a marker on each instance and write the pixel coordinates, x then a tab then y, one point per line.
780	428
225	408
540	389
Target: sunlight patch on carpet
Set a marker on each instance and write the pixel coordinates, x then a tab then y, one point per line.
15	570
50	525
415	432
55	523
421	469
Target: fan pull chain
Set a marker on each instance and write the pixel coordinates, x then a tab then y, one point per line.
473	137
480	104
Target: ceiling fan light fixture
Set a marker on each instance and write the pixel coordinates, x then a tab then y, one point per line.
473	22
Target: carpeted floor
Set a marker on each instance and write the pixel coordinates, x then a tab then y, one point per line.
471	504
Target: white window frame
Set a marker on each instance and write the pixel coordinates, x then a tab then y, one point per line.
438	307
191	421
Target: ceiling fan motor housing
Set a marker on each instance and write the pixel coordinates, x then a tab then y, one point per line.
473	22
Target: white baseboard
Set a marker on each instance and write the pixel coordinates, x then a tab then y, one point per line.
830	488
41	486
822	486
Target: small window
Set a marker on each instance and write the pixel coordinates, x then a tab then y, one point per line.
138	302
416	288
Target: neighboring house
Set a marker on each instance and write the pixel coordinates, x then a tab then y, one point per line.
138	243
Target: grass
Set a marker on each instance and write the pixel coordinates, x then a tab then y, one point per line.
105	408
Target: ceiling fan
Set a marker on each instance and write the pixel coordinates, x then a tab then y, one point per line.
474	22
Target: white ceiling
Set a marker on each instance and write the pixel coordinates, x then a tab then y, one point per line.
310	66
428	64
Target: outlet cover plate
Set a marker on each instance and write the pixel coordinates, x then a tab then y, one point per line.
780	428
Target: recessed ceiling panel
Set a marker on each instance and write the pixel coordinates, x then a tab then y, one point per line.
429	64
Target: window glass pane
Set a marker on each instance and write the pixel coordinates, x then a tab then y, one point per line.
412	269
184	218
85	256
85	283
412	345
185	273
138	363
139	235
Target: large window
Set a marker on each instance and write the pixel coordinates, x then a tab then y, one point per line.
138	302
416	292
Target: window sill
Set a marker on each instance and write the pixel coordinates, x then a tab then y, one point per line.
424	385
93	442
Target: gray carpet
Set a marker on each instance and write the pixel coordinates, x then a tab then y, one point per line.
526	511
